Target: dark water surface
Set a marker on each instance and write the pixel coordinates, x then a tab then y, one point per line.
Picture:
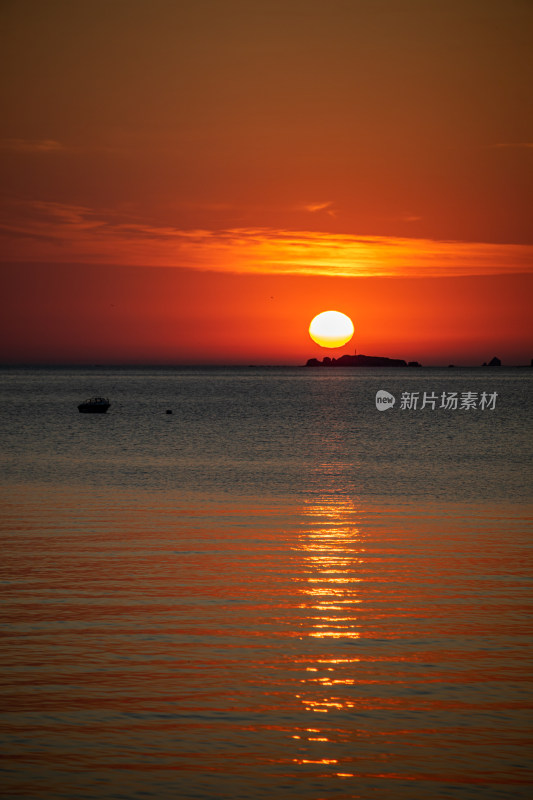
276	591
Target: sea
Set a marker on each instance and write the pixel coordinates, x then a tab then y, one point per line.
282	589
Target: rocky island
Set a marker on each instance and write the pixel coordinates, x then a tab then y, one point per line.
361	361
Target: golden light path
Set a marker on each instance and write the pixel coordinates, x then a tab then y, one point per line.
331	329
334	553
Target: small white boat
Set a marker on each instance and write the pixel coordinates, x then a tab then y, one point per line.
96	405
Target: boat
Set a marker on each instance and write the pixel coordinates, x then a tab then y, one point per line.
96	405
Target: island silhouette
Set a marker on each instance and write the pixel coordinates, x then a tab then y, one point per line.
361	361
355	360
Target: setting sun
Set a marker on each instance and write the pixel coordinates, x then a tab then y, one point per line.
331	329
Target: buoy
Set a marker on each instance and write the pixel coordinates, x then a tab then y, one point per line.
169	411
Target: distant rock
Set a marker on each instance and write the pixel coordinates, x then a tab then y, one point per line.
360	361
495	362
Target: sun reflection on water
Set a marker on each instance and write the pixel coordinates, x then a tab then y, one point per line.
332	551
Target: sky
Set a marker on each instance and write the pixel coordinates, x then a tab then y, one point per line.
190	183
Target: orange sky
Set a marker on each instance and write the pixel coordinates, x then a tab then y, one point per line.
191	183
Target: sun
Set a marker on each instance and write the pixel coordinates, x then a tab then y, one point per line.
331	329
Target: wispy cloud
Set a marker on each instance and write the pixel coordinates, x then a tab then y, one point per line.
31	145
314	207
44	231
125	146
514	145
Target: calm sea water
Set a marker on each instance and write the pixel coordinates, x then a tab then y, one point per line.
277	591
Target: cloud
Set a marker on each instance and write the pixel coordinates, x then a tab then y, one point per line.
514	145
62	233
313	208
31	145
124	146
